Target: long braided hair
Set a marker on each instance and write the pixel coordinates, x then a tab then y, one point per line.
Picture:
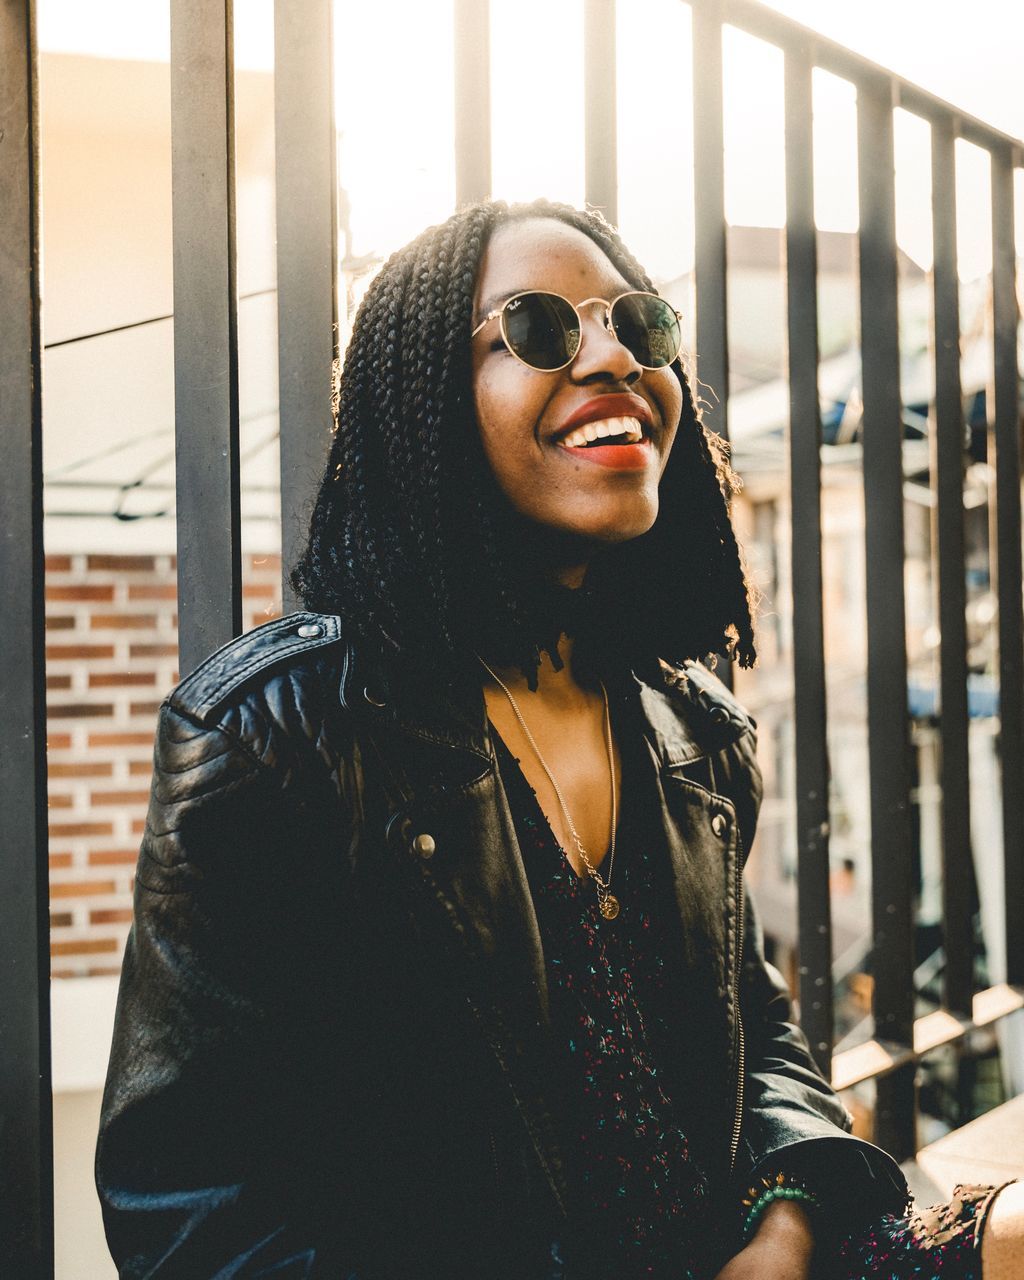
413	542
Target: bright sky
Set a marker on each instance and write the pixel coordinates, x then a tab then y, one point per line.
395	107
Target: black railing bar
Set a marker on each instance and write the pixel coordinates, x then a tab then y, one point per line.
1006	435
948	448
600	120
892	960
138	324
472	36
767	24
26	1133
206	397
812	793
307	260
712	336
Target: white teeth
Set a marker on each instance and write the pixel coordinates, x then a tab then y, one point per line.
582	436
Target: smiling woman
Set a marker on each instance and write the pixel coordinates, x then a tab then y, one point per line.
442	965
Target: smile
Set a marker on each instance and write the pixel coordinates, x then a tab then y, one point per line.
618	443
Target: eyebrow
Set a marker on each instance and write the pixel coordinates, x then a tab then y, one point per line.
493	303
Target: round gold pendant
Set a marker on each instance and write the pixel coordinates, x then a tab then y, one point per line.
610	906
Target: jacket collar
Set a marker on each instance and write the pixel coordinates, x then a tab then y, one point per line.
453	716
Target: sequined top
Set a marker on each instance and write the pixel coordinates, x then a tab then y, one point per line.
639	1199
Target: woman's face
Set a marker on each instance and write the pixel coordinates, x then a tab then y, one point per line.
527	416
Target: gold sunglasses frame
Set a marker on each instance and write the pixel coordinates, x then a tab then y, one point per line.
609	324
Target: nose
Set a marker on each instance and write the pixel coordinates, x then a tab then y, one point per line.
602	357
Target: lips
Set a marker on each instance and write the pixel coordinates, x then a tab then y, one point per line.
606	409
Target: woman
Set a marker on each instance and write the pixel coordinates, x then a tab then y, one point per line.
441	963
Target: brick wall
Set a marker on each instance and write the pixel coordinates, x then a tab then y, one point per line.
111	657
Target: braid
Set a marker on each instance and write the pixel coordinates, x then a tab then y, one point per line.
411	537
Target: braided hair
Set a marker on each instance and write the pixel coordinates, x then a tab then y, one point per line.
413	542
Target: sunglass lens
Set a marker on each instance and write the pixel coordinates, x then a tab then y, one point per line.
648	327
542	329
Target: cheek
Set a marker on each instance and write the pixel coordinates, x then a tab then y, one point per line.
507	410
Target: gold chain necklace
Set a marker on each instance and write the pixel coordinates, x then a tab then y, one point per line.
607	902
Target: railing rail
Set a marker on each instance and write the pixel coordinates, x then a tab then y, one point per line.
207	417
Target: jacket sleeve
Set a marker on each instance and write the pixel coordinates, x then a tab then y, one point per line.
224	1148
792	1119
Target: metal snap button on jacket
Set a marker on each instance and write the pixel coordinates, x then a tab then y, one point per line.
424	845
309	630
719	824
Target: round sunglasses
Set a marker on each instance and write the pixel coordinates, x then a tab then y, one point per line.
545	331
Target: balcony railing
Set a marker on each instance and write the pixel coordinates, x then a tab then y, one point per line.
208	520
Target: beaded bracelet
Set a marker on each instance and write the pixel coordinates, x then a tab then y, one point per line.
782	1187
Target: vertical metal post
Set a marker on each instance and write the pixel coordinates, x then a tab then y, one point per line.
307	264
1006	430
26	1123
472	20
812	808
947	463
205	328
601	119
889	747
709	222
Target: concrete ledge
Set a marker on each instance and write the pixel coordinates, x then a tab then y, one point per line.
987	1150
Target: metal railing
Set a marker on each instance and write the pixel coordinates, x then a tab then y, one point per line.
209	587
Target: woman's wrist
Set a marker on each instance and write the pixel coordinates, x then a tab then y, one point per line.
785	1200
786	1224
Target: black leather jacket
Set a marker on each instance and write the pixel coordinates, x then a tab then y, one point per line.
332	1054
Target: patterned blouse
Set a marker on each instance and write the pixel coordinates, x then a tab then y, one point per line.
639	1198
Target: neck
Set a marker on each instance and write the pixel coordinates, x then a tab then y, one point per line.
554	688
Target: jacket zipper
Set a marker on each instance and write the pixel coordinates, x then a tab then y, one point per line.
740	1043
494	1157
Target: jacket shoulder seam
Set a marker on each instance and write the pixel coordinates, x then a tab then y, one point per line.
206	689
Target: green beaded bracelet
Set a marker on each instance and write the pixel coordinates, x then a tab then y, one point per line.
781	1188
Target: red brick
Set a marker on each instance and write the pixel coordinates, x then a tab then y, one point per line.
263	589
59	622
64	652
78	710
60	802
58	564
132	564
153	591
153	651
69	829
111	915
83	947
103	971
58	682
143	708
58	860
81	769
139	768
100	798
113	857
122	622
120	740
81	591
104	679
138	826
58	741
60	919
81	888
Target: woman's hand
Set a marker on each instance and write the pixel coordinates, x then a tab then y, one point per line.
780	1250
